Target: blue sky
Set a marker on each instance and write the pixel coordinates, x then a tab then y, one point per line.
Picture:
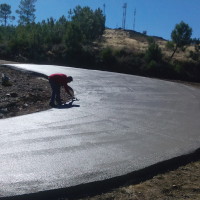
157	17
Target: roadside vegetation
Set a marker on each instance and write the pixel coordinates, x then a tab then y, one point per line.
63	41
179	184
76	40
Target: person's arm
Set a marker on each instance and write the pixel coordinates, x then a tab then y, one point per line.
69	90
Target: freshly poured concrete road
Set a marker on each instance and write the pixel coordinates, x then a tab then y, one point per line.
121	124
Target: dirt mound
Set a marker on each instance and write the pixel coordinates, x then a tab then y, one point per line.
26	93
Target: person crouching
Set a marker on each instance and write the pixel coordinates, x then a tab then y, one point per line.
56	81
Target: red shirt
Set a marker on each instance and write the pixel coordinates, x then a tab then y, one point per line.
60	79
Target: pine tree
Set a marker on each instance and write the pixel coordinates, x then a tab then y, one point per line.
181	36
5	13
26	11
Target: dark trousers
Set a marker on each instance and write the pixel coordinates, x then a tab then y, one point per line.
55	92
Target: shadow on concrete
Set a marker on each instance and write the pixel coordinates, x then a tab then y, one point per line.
67	105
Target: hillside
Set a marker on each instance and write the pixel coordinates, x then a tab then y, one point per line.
138	42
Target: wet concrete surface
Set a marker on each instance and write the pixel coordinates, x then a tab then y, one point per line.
121	124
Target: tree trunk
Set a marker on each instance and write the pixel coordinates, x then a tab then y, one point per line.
5	20
174	52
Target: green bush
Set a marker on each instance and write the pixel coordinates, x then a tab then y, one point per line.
54	40
178	68
107	56
152	65
170	45
153	53
127	61
194	55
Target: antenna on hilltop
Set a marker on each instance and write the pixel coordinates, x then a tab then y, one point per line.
134	21
104	9
124	16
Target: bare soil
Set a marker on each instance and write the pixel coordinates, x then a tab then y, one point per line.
26	94
182	183
30	93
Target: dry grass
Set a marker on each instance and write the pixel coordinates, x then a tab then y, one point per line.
179	184
137	42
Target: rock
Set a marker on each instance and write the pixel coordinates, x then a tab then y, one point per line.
13	94
25	105
4	110
8	95
5	80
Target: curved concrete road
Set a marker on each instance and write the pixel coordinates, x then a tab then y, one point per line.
121	124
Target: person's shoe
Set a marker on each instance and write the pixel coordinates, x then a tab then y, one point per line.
52	104
59	103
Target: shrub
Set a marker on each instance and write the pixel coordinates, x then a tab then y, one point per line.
194	55
153	53
127	61
169	45
107	56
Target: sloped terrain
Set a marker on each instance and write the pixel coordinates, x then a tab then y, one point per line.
179	184
26	93
137	42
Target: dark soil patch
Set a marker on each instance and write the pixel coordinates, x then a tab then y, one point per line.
27	93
